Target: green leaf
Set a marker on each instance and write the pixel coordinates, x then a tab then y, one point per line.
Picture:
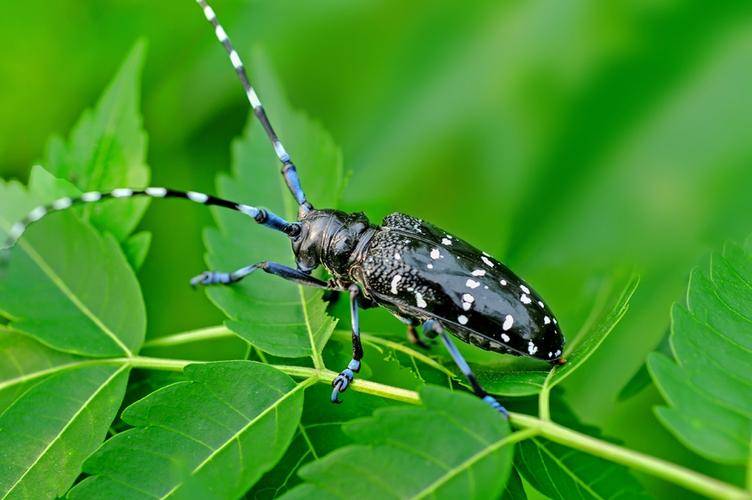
136	247
320	432
708	382
68	286
257	304
212	436
49	431
562	473
580	348
512	384
514	490
107	149
455	446
641	379
25	361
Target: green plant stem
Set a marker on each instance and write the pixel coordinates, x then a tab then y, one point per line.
217	332
676	474
210	333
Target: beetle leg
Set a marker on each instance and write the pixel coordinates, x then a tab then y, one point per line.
343	380
219	278
434	326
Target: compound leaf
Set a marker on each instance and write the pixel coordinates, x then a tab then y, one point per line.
257	304
107	149
455	446
47	433
211	436
708	378
68	286
25	361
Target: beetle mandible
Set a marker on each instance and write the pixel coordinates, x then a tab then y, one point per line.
421	274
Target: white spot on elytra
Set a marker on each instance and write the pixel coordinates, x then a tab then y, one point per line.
156	192
550	354
462	319
397	256
546	320
503	282
472	284
558	352
524	289
508	322
430	266
468	298
466	306
525	299
486	254
555	322
532	348
197	197
395	281
419	300
209	13
540	303
505	337
446	241
487	261
435	254
479	272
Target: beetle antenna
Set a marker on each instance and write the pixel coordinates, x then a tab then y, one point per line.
259	215
289	172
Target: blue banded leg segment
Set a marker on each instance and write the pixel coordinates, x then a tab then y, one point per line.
432	327
346	376
295	275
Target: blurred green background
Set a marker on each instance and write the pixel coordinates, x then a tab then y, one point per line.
566	137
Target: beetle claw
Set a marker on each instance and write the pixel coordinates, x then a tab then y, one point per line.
341	383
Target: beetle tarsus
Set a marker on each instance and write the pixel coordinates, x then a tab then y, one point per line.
208	278
343	380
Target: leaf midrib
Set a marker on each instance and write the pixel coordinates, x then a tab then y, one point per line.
65	428
28	376
454	471
68	293
302	385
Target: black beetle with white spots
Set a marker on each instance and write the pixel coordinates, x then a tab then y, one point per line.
421	274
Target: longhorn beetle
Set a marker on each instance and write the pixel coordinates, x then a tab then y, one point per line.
421	274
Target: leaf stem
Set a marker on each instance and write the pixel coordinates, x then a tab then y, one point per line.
212	332
657	467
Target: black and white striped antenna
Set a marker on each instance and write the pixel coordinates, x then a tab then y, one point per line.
260	215
289	171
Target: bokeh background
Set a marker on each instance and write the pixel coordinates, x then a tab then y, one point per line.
568	138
